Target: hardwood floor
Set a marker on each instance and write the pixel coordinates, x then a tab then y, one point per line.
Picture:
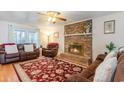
7	73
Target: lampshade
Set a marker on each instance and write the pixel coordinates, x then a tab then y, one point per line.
56	34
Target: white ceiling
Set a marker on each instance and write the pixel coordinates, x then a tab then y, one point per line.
33	19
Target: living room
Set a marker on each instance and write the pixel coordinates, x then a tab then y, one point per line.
78	39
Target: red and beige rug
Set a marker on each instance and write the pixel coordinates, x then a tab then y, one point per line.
45	69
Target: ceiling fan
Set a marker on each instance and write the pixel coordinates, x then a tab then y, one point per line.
53	16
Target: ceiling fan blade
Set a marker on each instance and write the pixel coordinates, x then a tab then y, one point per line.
41	13
60	18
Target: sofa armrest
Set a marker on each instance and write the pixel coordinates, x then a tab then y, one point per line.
77	79
101	57
2	52
2	56
37	50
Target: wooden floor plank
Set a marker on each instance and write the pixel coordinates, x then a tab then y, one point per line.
7	73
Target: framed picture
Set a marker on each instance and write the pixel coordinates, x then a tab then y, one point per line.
109	27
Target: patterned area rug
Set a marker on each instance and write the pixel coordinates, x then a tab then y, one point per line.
45	69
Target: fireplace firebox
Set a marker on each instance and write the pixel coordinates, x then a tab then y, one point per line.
76	49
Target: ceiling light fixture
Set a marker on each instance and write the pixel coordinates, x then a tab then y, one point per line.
53	16
49	19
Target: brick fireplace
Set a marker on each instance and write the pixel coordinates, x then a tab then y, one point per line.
78	41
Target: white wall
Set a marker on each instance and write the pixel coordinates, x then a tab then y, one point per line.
50	30
4	30
100	39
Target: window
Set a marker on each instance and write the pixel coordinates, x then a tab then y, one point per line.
32	37
19	36
22	36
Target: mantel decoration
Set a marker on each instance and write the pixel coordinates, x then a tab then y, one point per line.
109	27
88	27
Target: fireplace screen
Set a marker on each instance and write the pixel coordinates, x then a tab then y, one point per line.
75	49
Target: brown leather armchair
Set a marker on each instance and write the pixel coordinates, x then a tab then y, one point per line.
51	50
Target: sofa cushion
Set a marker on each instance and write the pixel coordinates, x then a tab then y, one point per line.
105	71
28	48
11	49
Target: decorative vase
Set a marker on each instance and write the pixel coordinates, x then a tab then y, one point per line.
87	30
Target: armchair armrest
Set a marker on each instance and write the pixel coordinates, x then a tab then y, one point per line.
46	48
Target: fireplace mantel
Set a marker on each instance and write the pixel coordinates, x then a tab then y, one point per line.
79	34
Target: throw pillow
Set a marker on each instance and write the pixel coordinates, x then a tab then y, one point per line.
105	71
110	55
28	48
11	49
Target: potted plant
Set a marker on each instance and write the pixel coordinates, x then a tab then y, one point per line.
111	46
